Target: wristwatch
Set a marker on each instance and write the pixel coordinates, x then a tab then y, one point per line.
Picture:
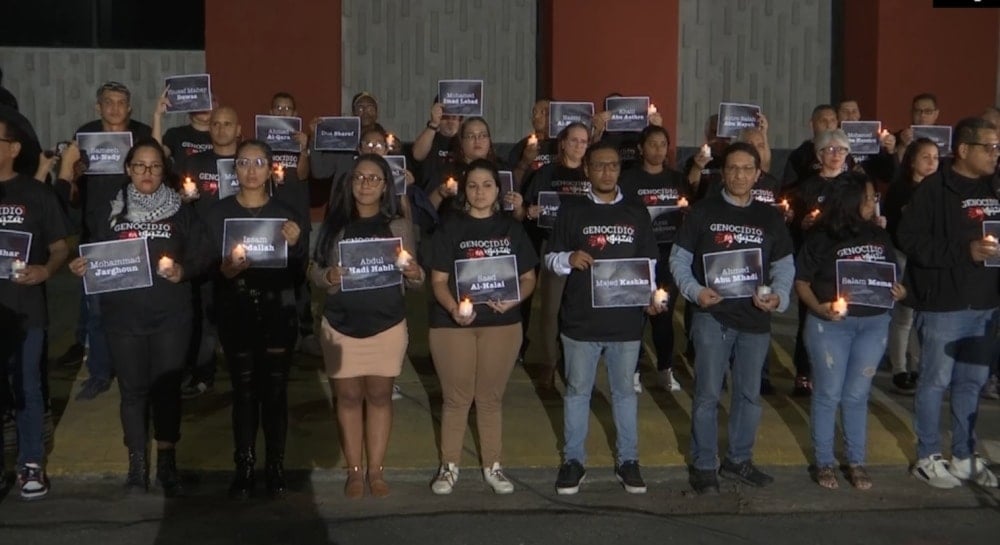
432	127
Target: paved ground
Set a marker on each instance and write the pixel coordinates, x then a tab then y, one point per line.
87	461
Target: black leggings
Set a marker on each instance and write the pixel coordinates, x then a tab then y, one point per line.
149	369
257	338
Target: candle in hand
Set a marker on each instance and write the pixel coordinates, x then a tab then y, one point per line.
763	290
682	202
532	140
279	172
17	267
784	204
239	254
884	133
452	185
190	190
706	151
661	297
465	308
403	260
990	238
165	265
651	110
840	306
814	213
390	141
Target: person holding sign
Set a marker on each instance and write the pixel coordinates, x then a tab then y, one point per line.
846	257
628	140
923	111
804	162
956	298
565	176
920	161
257	313
187	140
432	148
733	259
149	328
658	189
363	254
703	166
474	142
483	267
33	232
537	149
596	228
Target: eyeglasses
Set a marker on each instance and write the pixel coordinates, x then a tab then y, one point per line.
377	146
365	108
838	150
989	147
286	109
256	162
477	136
745	169
142	168
362	180
607	166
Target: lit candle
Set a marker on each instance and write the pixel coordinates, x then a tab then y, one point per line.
17	267
651	110
164	266
884	133
706	151
661	297
279	172
239	254
465	308
532	140
403	260
763	290
452	185
784	204
390	141
990	238
682	202
840	306
815	213
190	190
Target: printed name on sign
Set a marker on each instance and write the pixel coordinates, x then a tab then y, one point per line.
734	274
258	240
117	265
864	136
105	151
734	117
866	283
621	283
370	263
564	114
486	279
337	134
278	132
628	114
14	246
461	97
191	93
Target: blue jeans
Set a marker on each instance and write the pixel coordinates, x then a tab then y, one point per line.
581	359
25	370
957	349
845	356
714	345
98	353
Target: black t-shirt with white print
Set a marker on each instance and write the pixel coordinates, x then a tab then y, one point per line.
365	313
464	237
164	305
203	170
655	190
715	225
185	141
767	189
816	262
28	206
548	151
569	182
605	231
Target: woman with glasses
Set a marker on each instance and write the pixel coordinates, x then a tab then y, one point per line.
845	335
363	331
566	177
148	328
255	302
474	350
656	187
474	142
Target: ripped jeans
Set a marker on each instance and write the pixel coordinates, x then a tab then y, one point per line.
845	355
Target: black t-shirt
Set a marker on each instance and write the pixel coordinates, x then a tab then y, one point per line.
628	147
715	225
31	207
566	181
464	237
456	170
548	151
605	231
164	305
287	159
710	176
365	313
767	189
295	193
816	262
97	191
438	157
655	190
203	170
185	141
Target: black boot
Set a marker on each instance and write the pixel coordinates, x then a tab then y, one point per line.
243	481
166	472
137	481
276	485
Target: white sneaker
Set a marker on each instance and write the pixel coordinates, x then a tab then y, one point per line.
496	478
974	469
668	382
397	394
636	385
936	472
446	478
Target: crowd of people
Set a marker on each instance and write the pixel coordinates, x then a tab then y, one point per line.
735	242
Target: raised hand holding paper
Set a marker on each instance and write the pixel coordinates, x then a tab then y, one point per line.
628	114
939	134
191	93
337	134
261	240
864	136
734	117
461	96
117	265
562	114
105	151
278	132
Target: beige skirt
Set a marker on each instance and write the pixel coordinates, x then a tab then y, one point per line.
379	355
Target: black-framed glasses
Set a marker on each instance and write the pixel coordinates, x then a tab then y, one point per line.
141	168
989	147
256	162
363	179
611	166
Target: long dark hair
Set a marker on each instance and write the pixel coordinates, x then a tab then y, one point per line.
344	209
479	164
841	211
909	156
460	136
150	143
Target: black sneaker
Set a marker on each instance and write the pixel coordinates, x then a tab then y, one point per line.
32	482
72	356
704	481
803	387
571	474
746	473
904	383
628	474
92	387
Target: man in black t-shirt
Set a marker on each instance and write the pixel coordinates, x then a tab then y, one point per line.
733	259
600	226
432	149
